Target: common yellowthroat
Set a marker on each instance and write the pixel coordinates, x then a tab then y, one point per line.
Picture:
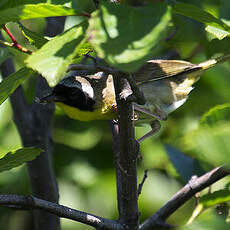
165	84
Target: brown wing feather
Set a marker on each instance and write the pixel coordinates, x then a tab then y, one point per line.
160	69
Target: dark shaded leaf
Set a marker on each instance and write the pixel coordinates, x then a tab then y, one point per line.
18	157
215	198
215	115
185	165
126	36
4	54
214	25
33	37
9	84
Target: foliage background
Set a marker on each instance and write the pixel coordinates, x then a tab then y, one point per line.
83	158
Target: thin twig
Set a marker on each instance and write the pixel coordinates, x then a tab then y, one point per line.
31	202
142	182
7	44
11	45
93	68
188	191
15	43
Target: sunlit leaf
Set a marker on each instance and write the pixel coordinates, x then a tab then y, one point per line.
17	157
53	59
4	4
84	49
10	83
28	11
126	36
219	33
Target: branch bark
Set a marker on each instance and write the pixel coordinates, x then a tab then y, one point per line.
31	202
187	192
125	161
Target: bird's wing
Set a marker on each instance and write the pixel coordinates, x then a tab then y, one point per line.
160	69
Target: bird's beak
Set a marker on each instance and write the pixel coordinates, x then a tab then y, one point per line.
49	98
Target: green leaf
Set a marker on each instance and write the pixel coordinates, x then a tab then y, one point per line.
211	139
126	36
217	46
211	143
9	84
33	37
17	157
53	59
215	198
209	223
84	49
28	11
215	115
219	33
185	165
4	54
200	15
4	4
214	25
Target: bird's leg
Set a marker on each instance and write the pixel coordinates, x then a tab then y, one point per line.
158	113
155	125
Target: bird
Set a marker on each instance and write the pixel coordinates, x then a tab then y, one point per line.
165	84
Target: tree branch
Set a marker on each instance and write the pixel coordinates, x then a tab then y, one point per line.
31	202
125	161
188	191
93	68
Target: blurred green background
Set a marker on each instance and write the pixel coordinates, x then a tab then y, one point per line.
83	158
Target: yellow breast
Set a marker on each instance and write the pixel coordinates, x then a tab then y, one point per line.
97	114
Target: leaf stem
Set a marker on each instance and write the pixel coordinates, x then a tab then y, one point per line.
14	42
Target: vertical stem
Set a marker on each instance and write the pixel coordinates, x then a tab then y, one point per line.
126	162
